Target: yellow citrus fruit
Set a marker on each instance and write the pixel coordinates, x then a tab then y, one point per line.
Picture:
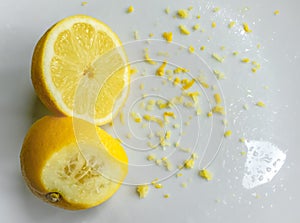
72	163
79	68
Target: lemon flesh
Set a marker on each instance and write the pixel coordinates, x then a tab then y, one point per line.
79	69
82	177
72	164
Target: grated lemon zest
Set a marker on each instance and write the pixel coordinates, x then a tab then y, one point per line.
188	84
130	9
246	28
182	13
161	70
217	57
205	174
217	98
218	109
168	36
142	190
183	30
147	57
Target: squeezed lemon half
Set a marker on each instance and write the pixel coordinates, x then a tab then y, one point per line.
79	68
71	163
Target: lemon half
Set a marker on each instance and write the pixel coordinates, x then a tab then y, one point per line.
71	163
79	68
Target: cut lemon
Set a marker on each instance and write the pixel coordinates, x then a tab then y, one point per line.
71	163
79	68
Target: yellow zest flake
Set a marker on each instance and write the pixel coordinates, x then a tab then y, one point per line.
196	27
179	70
122	118
149	144
188	84
243	153
189	104
217	98
154	119
142	190
227	133
231	24
191	49
136	117
194	95
246	28
276	12
133	71
216	9
183	30
158	186
167	164
83	3
167	10
205	174
245	60
190	8
151	35
151	157
179	175
260	104
189	164
198	16
209	114
168	134
204	84
169	114
153	182
256	66
217	57
219	74
242	139
168	36
128	136
130	9
161	70
218	109
147	57
176	81
161	104
176	126
166	195
235	53
142	86
184	185
202	48
214	24
182	13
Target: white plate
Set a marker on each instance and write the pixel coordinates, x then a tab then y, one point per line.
261	186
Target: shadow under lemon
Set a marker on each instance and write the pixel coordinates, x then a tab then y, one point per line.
39	110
